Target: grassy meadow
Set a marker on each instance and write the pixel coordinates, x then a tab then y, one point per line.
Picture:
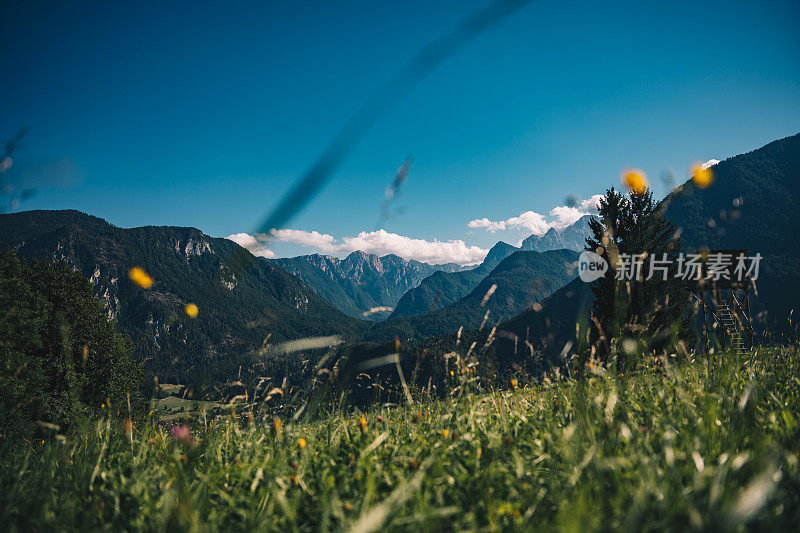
709	444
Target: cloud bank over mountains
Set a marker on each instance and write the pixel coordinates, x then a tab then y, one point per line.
435	252
379	242
533	223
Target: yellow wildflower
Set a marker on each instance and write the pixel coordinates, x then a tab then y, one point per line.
634	179
140	277
702	177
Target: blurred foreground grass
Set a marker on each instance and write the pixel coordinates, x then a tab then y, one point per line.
709	444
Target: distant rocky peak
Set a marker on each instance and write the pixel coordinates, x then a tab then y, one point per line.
573	237
498	252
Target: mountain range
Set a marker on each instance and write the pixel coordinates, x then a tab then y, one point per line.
361	282
364	284
529	294
441	288
242	306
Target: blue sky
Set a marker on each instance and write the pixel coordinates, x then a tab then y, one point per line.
203	114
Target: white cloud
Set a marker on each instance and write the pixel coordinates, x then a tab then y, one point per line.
315	239
591	204
256	247
435	252
709	163
531	222
488	224
565	216
378	242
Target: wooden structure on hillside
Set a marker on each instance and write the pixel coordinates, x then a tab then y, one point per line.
722	288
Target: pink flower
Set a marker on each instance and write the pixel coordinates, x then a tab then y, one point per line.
182	433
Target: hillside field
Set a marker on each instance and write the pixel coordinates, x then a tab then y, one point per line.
706	444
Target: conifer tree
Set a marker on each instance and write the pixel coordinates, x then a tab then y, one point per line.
61	359
640	297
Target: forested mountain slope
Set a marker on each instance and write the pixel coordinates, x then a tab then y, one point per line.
443	288
520	280
238	307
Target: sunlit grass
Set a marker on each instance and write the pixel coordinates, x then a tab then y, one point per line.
705	444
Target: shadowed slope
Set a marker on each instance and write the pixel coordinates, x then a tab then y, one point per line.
443	288
753	203
521	279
